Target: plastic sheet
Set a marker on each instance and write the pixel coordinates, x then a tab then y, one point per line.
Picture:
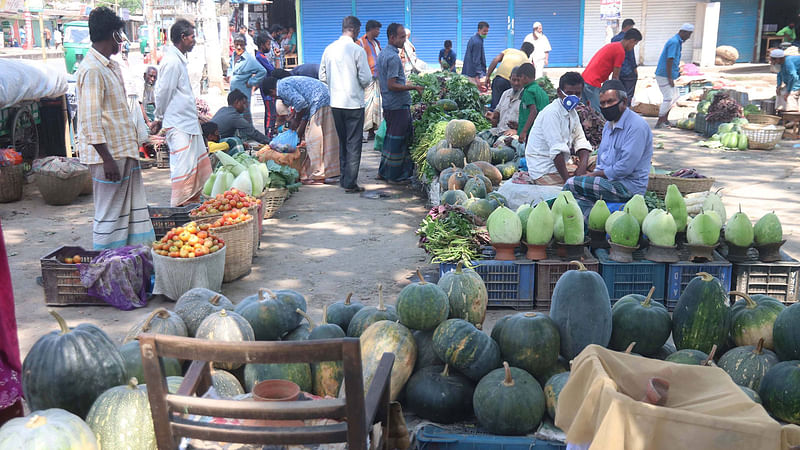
174	276
22	80
119	276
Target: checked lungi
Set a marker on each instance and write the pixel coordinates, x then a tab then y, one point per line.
587	190
396	163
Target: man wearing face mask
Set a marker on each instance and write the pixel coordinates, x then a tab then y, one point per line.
474	57
623	157
556	135
788	70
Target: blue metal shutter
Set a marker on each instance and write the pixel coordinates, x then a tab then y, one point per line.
384	12
322	24
495	13
431	24
737	26
561	23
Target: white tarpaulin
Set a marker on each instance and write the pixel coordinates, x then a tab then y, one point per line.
22	80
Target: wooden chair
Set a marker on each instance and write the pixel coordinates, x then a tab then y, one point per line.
358	412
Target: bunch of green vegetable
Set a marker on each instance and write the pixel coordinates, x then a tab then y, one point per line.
242	172
449	234
282	177
462	91
653	202
547	86
432	85
427	139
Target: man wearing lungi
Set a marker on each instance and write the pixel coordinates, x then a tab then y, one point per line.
189	165
107	140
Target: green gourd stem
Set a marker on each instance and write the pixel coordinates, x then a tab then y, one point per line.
160	312
646	302
223	313
740	207
630	347
311	324
759	347
446	371
710	355
705	276
325	314
347	300
581	267
35	421
381	306
215	299
750	302
262	291
508	381
530	314
133	383
421	278
61	322
211	370
459	266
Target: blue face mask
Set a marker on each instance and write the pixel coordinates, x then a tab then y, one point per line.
569	102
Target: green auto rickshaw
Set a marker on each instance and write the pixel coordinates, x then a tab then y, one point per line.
76	43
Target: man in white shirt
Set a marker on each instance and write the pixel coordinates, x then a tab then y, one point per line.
541	49
557	134
345	69
505	117
189	165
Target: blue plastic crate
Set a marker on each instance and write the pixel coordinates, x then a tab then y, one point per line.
431	437
613	207
509	283
632	278
681	273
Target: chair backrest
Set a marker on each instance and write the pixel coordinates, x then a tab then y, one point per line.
171	411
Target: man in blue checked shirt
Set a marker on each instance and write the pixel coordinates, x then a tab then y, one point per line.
628	74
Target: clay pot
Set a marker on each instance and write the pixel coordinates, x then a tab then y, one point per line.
770	252
621	253
275	391
505	252
536	252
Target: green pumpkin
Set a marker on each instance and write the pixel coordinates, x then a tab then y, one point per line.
747	365
60	358
456	181
272	314
225	383
50	429
478	150
392	337
702	317
121	419
780	391
475	187
371	314
342	312
471	169
160	321
196	304
751	393
453	198
691	357
297	373
508	170
636	318
460	133
508	401
326	376
503	154
226	326
132	356
441	158
447	104
444	176
434	393
479	206
465	348
490	172
785	333
561	366
426	355
466	293
552	389
530	341
663	352
582	310
753	317
300	333
422	305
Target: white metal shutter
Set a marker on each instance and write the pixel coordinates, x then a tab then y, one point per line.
664	19
594	29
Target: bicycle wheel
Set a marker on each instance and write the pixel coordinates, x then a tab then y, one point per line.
25	136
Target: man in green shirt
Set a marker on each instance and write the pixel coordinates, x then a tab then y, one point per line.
533	100
788	33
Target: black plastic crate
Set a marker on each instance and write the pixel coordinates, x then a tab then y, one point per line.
165	218
779	279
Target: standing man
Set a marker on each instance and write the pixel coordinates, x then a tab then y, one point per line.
628	74
47	36
508	59
474	58
250	46
540	57
396	165
275	46
607	61
245	73
668	70
107	141
189	165
57	37
346	71
148	102
372	93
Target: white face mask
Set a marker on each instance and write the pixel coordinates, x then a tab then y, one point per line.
775	68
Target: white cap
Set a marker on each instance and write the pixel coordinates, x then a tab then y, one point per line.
408	32
777	53
281	108
537	24
687	27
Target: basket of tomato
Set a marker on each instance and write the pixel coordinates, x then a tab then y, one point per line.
187	257
235	227
228	201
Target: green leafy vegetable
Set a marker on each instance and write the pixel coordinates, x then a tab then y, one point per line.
450	234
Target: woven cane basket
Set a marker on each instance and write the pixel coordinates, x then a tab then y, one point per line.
12	179
239	241
60	191
659	184
272	200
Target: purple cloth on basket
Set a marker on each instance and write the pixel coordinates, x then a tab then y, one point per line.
119	276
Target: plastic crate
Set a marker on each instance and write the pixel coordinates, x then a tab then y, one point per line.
780	279
432	437
62	282
509	283
711	128
700	123
548	271
162	157
165	218
681	273
632	278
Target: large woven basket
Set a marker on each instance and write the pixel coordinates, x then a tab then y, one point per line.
658	183
12	178
760	138
763	119
60	191
647	109
272	200
239	242
175	276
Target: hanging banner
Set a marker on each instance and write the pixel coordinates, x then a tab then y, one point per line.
610	9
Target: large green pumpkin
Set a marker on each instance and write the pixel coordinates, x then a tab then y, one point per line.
196	304
392	337
300	333
552	389
702	317
160	321
426	355
326	376
753	317
272	314
786	334
422	305
466	348
560	367
508	401
436	394
371	314
460	133
225	383
70	368
780	391
297	373
491	172
503	154
454	197
444	176
691	357
226	326
478	150
441	158
639	319
475	187
530	341
466	293
751	393
456	181
132	356
342	312
582	310
51	429
121	419
479	206
747	365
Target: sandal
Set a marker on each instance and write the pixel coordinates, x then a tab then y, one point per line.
354	190
313	182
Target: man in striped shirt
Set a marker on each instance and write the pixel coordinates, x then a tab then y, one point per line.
107	140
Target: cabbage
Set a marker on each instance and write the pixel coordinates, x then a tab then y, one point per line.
725	128
243	183
256	180
505	226
264	173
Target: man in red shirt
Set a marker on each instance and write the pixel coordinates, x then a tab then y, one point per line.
607	61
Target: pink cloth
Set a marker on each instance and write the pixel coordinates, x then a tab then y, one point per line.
10	366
